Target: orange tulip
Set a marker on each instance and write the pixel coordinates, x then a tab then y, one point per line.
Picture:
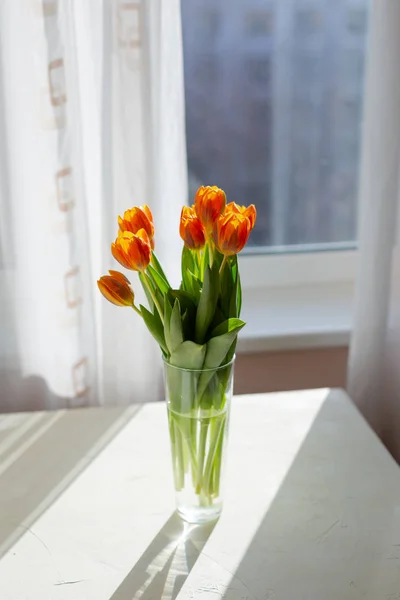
209	203
136	218
120	276
247	211
116	289
231	232
191	230
132	250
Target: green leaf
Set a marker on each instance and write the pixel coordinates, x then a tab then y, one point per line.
167	321
186	300
154	325
206	257
217	347
234	267
236	300
227	326
158	268
232	312
175	329
188	265
186	325
231	352
188	309
238	295
188	260
160	298
197	286
188	356
227	286
159	281
218	258
192	285
146	291
232	307
218	318
207	304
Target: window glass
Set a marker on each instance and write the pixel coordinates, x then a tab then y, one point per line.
274	103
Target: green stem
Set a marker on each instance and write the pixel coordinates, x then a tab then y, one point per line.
198	261
149	286
192	451
192	442
203	257
218	463
215	437
136	309
225	259
201	454
180	468
208	247
185	442
175	466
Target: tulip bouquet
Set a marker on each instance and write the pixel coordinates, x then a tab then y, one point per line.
196	326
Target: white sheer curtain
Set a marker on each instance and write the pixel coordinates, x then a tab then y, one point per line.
374	365
92	122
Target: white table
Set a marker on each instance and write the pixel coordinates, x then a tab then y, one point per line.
312	507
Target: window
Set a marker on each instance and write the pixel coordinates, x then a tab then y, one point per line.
209	23
206	69
260	190
258	70
307	21
354	68
259	23
307	67
357	20
274	112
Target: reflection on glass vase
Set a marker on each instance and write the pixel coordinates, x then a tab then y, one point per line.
198	403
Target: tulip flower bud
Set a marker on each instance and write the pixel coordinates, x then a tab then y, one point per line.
191	230
132	250
231	233
247	211
136	218
209	203
116	289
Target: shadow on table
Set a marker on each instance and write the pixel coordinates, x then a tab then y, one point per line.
334	522
164	567
41	453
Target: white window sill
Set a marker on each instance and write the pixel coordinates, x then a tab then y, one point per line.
298	317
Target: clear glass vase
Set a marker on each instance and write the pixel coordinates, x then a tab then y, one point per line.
198	403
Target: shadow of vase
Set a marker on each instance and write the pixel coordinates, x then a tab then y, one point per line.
164	567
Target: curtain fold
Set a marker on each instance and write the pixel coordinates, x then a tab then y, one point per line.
92	115
374	374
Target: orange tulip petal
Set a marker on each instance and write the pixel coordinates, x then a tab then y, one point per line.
232	207
191	230
147	212
209	202
115	291
247	211
119	276
132	251
251	214
231	233
119	255
143	235
136	218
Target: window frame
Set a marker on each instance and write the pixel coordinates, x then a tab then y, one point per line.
319	271
298	266
303	299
